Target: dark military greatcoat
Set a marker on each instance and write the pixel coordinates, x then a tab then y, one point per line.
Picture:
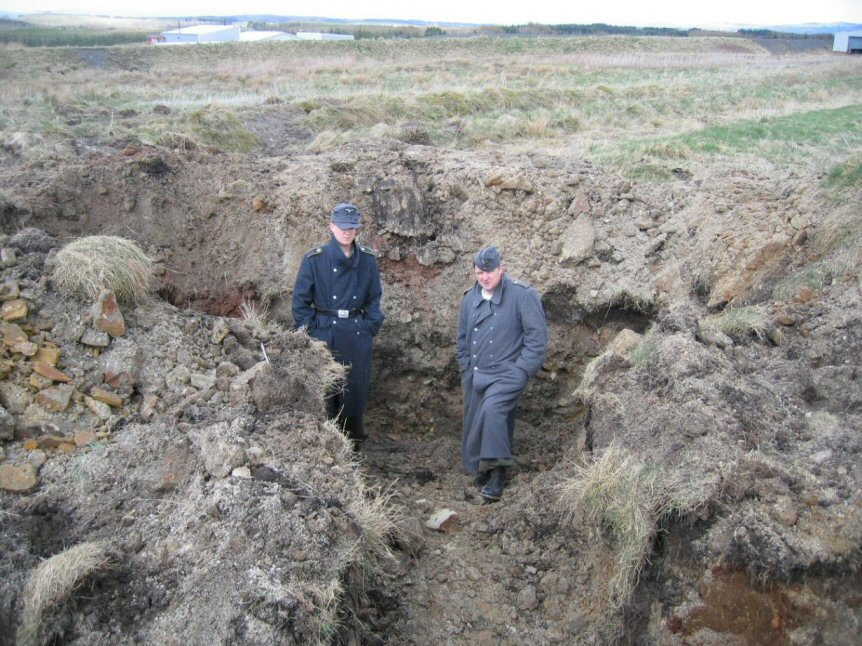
338	300
501	344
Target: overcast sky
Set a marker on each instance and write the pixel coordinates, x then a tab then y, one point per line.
671	13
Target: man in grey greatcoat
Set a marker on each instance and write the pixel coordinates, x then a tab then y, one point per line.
336	298
502	342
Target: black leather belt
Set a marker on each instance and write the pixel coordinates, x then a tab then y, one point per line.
342	314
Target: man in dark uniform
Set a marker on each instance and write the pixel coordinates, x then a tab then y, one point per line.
337	299
502	342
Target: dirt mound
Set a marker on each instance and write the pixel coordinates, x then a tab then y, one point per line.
230	509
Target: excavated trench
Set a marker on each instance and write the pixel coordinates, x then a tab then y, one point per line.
212	262
414	454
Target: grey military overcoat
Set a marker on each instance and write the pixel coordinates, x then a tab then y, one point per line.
502	342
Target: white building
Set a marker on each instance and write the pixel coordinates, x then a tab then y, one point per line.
257	36
848	42
201	34
316	35
228	33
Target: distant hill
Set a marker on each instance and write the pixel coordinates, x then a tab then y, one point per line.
815	28
806	28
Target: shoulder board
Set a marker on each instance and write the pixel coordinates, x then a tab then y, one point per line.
519	283
368	250
313	252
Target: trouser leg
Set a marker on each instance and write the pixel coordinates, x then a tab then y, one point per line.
355	428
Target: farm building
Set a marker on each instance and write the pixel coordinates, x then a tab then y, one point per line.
257	36
229	33
316	35
848	42
201	34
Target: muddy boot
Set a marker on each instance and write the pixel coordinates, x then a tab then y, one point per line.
482	479
493	490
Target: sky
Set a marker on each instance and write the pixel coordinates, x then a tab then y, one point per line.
640	13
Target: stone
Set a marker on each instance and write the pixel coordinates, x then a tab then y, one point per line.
39	382
221	458
625	341
503	180
822	457
14	398
227	369
527	599
581	203
99	409
8	256
175	467
109	398
51	442
107	316
14	310
220	331
12	334
50	372
178	377
241	472
26	348
151	406
409	536
121	365
48	353
202	381
578	242
18	478
55	398
442	520
83	438
95	338
9	291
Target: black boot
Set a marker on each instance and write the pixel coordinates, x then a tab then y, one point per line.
355	429
493	490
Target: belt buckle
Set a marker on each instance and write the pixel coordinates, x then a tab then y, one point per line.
344	314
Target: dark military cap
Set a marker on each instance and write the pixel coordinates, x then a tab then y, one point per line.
487	259
346	216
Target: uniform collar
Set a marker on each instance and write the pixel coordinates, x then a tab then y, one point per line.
498	293
337	255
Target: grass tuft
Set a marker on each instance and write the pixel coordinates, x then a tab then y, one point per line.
54	580
745	323
89	265
623	501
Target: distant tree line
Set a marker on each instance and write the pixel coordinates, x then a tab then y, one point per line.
357	31
601	29
768	33
15	32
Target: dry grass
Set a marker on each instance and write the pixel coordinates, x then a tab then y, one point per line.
89	265
745	323
256	316
54	580
621	501
619	98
